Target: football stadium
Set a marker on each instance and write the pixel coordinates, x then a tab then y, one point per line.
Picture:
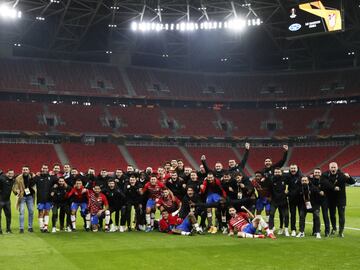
179	134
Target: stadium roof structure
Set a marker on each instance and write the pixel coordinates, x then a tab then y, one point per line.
97	30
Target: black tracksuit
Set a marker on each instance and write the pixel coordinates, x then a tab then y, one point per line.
133	198
309	193
337	199
279	200
321	202
59	200
116	199
6	186
294	185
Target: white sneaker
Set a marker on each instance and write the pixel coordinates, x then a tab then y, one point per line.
280	231
300	235
293	233
318	236
287	232
112	228
68	229
142	227
225	230
121	229
53	230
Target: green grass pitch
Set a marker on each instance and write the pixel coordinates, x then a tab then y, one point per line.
139	250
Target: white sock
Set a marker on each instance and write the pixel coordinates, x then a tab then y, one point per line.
185	233
248	235
46	221
152	219
196	226
73	221
147	217
107	218
87	219
41	223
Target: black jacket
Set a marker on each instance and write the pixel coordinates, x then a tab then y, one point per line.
337	180
6	186
186	205
239	168
58	194
132	193
217	174
294	185
321	184
269	171
116	197
278	194
44	184
176	187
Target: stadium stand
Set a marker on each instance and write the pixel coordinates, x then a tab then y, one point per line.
98	156
14	156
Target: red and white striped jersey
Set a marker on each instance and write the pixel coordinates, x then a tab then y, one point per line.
239	221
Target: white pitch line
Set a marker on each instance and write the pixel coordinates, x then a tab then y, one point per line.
348	228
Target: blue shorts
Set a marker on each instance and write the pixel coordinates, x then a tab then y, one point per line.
94	220
213	198
185	226
44	206
150	203
261	203
75	206
249	229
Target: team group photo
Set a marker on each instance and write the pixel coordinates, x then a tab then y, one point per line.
179	134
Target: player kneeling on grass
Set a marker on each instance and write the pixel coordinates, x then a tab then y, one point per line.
240	223
175	225
99	208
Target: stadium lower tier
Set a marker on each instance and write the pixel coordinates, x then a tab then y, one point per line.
112	157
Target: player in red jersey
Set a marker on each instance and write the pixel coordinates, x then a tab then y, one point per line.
240	223
153	189
98	208
79	197
168	202
172	224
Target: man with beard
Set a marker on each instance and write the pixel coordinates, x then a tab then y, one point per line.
308	194
24	190
44	184
60	204
268	170
337	195
239	168
168	202
323	185
218	171
241	224
6	184
177	185
134	199
263	187
194	182
279	200
116	199
293	179
213	191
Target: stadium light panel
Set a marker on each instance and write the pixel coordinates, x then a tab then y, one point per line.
233	24
10	13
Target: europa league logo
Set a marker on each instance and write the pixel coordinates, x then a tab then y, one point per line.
332	20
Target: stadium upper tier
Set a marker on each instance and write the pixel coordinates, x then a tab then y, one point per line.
90	79
322	121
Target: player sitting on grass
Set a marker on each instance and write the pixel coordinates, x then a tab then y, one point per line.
98	207
175	225
240	223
